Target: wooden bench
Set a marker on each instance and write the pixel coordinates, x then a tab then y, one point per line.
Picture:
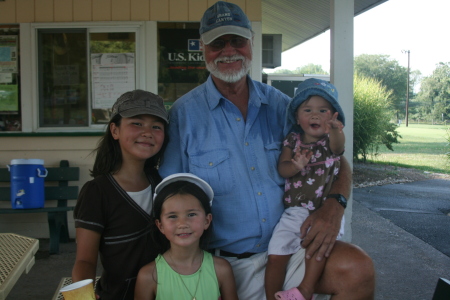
57	215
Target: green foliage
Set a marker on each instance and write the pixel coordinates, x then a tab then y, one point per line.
372	126
308	69
448	144
389	73
434	95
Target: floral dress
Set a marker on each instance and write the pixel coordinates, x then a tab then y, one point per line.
309	187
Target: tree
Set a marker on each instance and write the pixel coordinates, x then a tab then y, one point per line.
434	95
389	73
308	69
372	126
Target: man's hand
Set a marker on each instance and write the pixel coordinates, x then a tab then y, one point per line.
323	225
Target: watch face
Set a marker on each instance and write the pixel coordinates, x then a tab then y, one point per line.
340	198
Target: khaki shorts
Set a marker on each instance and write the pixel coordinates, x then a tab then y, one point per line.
249	274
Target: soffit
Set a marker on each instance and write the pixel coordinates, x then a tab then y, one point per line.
301	20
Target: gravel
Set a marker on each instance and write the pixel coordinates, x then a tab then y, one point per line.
367	174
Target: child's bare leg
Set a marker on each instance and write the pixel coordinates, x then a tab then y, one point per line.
275	274
313	271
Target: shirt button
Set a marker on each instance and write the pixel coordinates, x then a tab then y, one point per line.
238	119
252	168
258	245
210	163
246	143
264	220
259	193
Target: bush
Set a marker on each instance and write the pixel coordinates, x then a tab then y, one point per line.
372	115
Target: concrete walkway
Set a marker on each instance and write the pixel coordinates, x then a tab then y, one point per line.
407	267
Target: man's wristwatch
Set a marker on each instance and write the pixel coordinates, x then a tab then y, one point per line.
340	198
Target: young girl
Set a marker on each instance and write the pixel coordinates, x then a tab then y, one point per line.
309	161
182	270
113	210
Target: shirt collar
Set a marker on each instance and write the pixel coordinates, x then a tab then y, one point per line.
214	96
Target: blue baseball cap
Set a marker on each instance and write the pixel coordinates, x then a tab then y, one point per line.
313	87
224	18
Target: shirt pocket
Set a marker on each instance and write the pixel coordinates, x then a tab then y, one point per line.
273	151
215	167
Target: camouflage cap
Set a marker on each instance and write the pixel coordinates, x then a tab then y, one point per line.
139	102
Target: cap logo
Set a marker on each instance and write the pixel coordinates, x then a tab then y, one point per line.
325	85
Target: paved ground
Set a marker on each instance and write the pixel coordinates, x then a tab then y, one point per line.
407	267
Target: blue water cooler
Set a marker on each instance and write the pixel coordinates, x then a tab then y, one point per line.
27	183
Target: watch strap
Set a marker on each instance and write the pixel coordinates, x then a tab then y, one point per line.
340	198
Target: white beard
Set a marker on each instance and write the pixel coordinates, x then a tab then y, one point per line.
230	76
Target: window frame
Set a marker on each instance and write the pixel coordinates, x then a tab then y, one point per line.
145	32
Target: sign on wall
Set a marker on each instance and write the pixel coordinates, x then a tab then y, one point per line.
112	75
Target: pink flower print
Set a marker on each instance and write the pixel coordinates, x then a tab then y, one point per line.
304	171
319	191
285	143
309	206
288	199
297	184
327	179
321	143
336	171
318	154
313	159
287	185
310	181
320	171
329	162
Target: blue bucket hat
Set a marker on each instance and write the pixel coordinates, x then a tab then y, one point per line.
312	87
224	18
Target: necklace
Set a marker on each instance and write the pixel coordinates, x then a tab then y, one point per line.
199	270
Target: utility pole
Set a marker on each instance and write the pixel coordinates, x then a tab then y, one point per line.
407	90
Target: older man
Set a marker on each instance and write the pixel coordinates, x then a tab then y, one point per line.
228	131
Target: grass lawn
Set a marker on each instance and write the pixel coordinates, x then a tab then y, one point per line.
421	146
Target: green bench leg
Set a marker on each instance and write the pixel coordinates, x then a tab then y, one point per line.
59	231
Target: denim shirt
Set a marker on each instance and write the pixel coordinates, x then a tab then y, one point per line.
210	138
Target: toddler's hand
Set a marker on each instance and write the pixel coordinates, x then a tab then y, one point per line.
334	123
301	159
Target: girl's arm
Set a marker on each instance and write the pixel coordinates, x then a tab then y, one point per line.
288	166
225	276
337	137
85	267
146	283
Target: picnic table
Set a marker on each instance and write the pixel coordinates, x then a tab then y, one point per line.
16	257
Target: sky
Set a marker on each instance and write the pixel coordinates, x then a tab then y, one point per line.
420	26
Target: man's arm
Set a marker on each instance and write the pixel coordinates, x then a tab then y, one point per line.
173	160
324	224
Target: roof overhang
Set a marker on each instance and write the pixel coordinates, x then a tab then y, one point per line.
302	20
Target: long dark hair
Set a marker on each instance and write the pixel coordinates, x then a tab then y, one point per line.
161	243
108	158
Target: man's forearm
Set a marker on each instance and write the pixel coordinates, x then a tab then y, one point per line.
343	183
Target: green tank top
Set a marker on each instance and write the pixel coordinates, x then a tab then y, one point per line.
170	283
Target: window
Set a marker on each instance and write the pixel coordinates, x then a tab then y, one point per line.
81	73
10	118
181	64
